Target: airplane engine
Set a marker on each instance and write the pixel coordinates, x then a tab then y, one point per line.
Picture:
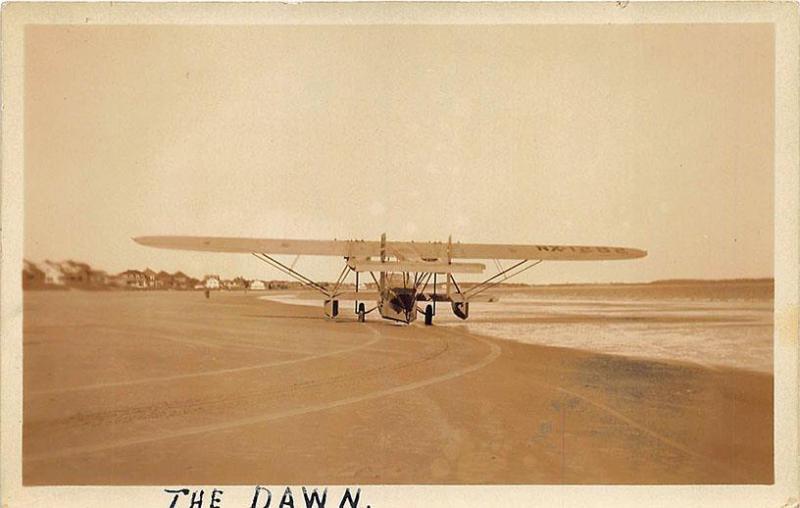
461	309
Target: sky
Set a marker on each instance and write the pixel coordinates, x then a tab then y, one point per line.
651	136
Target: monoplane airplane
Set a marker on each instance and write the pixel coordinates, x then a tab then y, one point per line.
404	269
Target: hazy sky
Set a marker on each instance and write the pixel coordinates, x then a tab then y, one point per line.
652	136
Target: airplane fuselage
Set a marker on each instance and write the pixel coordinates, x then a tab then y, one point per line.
398	304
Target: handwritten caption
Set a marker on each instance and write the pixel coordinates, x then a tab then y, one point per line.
262	498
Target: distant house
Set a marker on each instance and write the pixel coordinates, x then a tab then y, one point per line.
150	277
98	278
239	283
182	281
32	276
75	273
257	285
163	280
118	281
211	282
52	273
134	279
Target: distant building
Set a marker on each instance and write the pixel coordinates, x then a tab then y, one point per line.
211	282
182	281
32	276
134	279
150	277
117	281
257	285
239	283
98	278
53	275
163	280
75	273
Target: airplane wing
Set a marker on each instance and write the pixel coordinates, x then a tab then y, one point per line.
343	248
400	250
544	252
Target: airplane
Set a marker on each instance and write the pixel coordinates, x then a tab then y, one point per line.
404	269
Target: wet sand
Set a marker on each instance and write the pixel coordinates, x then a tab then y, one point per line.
170	388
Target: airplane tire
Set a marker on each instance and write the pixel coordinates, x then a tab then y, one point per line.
429	315
362	314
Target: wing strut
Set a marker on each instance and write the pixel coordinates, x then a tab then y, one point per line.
302	279
340	280
488	284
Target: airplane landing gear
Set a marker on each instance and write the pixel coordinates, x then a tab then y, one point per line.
429	315
362	313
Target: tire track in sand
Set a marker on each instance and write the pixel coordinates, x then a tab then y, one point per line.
634	424
494	353
647	431
218	403
175	377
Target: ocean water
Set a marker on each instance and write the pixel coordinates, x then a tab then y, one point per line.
729	334
710	324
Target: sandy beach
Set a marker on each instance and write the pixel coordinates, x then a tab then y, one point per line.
171	388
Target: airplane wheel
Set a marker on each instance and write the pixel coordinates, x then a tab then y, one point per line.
362	314
429	315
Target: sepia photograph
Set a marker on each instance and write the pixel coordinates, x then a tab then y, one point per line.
340	246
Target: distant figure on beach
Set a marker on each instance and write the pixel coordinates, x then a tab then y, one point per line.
208	292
